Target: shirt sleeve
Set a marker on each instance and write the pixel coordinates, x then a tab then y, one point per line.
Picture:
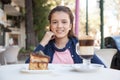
38	48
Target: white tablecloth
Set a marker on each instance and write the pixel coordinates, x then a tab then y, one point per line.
60	72
2	49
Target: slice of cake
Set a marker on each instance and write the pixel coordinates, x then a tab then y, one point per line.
38	62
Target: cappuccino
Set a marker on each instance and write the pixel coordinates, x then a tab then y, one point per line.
86	47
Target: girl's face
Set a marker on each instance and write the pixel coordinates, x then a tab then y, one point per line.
60	24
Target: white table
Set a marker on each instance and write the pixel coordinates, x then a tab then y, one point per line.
61	72
2	49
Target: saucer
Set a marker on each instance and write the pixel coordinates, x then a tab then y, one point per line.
84	68
35	71
26	70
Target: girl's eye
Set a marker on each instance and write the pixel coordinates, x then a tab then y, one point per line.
64	22
54	22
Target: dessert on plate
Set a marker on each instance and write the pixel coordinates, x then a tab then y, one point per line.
38	61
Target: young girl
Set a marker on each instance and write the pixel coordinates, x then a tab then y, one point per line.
60	43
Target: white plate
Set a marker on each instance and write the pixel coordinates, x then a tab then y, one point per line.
26	70
83	68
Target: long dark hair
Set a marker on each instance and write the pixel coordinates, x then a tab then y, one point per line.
66	10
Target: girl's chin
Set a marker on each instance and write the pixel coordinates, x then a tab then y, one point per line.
60	36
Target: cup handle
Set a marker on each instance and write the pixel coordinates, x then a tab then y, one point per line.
78	49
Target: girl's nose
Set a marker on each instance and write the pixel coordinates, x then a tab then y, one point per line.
59	24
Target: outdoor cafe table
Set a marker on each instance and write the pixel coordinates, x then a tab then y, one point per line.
57	72
2	49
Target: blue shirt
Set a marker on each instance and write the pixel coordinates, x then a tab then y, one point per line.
50	48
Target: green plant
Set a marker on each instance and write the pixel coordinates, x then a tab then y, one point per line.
23	50
30	49
41	10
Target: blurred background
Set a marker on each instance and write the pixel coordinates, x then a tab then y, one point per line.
25	21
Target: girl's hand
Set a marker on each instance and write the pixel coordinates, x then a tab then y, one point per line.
47	37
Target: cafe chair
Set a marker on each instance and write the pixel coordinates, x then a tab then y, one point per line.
11	54
106	55
2	61
2	49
